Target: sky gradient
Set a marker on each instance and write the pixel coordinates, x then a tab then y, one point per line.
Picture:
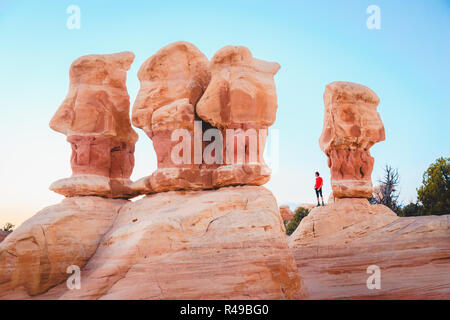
406	63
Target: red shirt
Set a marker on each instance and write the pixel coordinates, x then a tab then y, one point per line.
319	182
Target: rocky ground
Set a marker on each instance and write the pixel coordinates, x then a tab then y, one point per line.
224	244
336	244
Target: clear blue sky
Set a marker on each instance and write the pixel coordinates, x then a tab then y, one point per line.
316	42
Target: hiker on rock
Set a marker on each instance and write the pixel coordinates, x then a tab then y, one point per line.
318	188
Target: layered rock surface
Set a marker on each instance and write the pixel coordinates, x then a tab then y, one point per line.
286	213
95	118
334	246
241	98
351	127
36	255
224	244
172	82
242	90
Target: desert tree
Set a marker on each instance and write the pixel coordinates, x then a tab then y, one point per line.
8	227
386	192
434	194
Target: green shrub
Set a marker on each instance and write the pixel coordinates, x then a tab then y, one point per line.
434	194
410	210
299	214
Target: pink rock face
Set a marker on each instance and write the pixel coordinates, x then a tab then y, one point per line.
286	213
95	118
173	84
172	81
178	71
218	244
241	95
351	126
36	255
177	115
242	90
335	244
3	235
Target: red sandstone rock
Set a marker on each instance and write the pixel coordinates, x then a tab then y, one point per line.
242	97
239	174
3	235
334	245
36	255
95	118
177	71
346	216
221	244
286	213
351	126
172	82
242	90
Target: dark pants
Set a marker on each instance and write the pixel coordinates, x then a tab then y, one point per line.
319	192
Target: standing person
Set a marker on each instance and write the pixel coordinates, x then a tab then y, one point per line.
318	188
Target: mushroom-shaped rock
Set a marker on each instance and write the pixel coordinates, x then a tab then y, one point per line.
240	98
172	81
95	118
351	126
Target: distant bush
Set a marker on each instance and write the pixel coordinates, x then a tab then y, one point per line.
8	227
434	194
410	210
386	193
299	214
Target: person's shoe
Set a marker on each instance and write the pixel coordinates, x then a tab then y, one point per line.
318	204
322	203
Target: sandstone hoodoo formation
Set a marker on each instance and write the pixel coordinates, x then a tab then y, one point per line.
351	126
95	118
172	82
241	99
208	120
184	243
336	244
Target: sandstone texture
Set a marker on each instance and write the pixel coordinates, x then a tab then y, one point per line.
220	244
242	90
286	213
95	118
172	82
334	245
36	255
176	72
208	120
241	98
3	235
351	126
